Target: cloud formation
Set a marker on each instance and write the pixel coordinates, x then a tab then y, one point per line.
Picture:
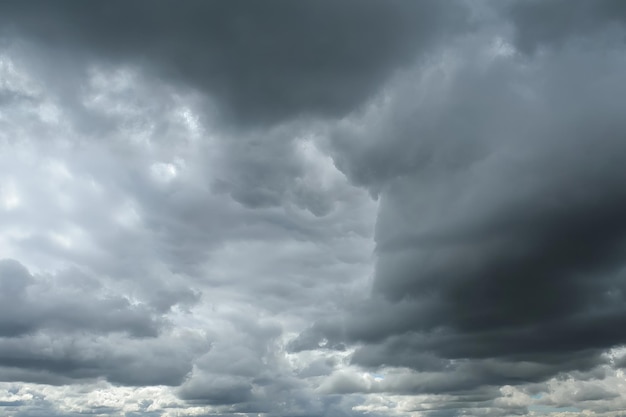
261	63
329	208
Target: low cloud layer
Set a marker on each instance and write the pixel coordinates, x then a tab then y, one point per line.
312	209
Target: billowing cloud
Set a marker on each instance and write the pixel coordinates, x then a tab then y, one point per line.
499	235
507	238
326	208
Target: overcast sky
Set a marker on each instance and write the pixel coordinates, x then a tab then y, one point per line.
316	208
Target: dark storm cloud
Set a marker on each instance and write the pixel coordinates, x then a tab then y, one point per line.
501	235
188	246
225	390
56	359
52	332
458	378
552	22
28	305
263	62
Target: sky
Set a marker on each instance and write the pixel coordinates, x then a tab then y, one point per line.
317	208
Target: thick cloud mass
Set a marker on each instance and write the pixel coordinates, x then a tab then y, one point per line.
27	306
500	232
43	326
263	63
555	22
322	208
500	235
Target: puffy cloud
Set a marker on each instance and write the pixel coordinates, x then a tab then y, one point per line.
142	261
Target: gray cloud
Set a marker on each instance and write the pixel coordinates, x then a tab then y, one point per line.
52	332
263	63
190	195
499	234
137	209
555	22
50	358
28	305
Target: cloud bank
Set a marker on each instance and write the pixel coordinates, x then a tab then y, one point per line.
331	208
